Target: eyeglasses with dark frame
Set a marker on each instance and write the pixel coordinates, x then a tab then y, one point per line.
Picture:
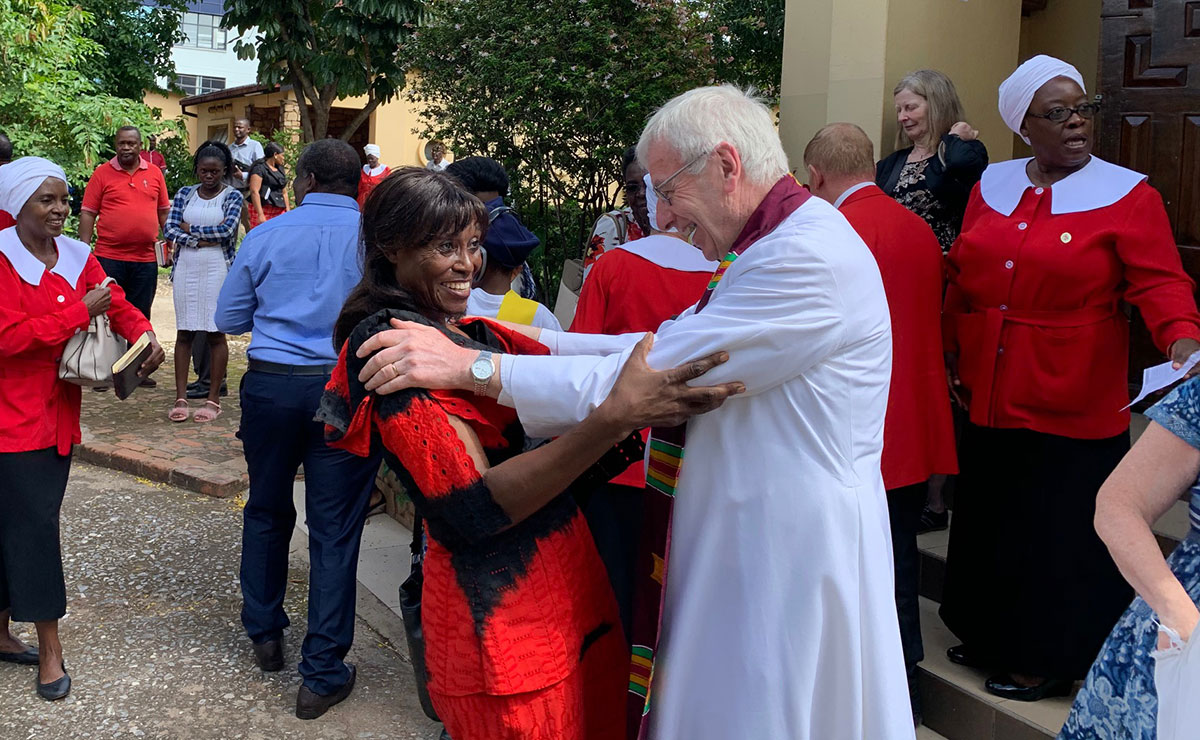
658	188
1087	111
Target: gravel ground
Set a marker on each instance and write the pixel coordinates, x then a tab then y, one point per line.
153	640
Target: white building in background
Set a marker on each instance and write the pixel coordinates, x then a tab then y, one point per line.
205	61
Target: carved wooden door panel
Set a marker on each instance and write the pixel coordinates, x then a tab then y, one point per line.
1150	120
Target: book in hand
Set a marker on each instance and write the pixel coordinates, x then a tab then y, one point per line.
124	370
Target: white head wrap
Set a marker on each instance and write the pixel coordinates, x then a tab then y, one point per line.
1016	93
370	149
20	179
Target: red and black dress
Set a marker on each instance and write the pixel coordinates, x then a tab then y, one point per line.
522	634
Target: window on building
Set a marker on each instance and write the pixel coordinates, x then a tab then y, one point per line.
199	84
203	31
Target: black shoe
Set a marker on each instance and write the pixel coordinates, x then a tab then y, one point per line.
1003	686
963	655
269	655
933	521
198	391
445	735
310	705
55	690
148	382
193	385
29	657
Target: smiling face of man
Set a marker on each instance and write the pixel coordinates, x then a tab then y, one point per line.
702	205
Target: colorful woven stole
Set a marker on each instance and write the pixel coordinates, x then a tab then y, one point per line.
666	449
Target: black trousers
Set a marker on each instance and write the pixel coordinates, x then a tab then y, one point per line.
614	516
904	512
139	280
32	485
279	435
202	359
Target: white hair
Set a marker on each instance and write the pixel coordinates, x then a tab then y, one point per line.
694	123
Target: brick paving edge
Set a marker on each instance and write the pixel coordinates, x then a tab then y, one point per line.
210	480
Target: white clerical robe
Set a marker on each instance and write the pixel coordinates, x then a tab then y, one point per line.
780	619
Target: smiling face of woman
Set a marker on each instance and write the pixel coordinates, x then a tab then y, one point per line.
439	274
45	213
1059	146
912	113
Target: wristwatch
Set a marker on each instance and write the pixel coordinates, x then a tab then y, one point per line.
482	371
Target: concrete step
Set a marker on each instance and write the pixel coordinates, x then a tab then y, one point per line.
956	706
924	733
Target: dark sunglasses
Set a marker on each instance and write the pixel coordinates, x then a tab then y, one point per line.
1086	111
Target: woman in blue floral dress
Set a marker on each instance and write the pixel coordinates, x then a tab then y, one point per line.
1118	700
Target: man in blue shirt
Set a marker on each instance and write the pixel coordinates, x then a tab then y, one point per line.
287	285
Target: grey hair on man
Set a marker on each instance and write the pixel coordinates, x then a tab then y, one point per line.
694	123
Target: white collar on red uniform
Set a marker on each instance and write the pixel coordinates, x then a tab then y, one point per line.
850	191
72	256
1097	184
670	252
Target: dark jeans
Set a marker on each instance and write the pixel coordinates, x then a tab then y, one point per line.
278	435
202	359
904	511
139	280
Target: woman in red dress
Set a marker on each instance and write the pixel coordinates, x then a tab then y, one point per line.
523	640
373	173
1050	248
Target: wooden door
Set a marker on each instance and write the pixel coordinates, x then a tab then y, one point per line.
1150	119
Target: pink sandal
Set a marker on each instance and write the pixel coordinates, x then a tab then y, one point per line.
179	413
207	413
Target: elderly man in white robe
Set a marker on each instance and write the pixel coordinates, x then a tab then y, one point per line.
779	620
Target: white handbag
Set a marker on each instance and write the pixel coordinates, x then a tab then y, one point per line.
89	356
1177	682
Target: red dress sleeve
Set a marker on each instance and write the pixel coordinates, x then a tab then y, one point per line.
1156	282
20	332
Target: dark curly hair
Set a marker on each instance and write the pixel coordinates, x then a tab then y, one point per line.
405	212
479	174
214	150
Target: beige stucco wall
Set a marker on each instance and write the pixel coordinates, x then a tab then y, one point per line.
843	57
392	130
169	105
1069	30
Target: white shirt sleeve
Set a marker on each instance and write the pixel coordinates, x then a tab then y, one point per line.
545	320
776	321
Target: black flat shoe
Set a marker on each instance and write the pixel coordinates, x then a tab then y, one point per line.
310	704
963	655
55	690
933	521
29	657
269	655
1003	686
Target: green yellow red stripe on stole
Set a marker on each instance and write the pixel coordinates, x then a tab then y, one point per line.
641	668
662	470
721	268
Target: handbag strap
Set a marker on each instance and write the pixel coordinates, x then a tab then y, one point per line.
417	540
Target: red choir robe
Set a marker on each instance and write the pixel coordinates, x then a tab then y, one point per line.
635	287
367	182
918	432
6	220
1033	309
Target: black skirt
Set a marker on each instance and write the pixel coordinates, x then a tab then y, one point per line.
32	485
1030	587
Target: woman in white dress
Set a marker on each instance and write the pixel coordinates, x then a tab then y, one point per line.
203	225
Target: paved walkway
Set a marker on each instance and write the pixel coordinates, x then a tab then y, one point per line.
153	640
135	436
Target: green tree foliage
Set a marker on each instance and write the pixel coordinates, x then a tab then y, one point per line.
555	90
50	104
748	43
326	50
138	40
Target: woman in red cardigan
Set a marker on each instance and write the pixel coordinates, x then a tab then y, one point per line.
1050	248
48	293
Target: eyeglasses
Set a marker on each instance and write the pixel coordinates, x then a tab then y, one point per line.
1086	111
658	188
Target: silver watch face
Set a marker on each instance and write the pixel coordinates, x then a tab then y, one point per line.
482	369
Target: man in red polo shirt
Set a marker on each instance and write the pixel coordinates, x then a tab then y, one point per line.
129	197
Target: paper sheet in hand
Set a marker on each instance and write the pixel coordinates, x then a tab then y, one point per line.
1160	376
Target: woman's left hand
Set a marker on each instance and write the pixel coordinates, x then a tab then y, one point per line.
963	130
1181	350
157	355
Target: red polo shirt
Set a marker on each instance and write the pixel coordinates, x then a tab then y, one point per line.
155	158
127	206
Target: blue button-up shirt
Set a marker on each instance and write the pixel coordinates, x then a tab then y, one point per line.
290	279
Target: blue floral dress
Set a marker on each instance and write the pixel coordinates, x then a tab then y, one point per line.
1118	701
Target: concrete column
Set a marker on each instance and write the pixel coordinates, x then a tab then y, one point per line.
289	117
842	59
